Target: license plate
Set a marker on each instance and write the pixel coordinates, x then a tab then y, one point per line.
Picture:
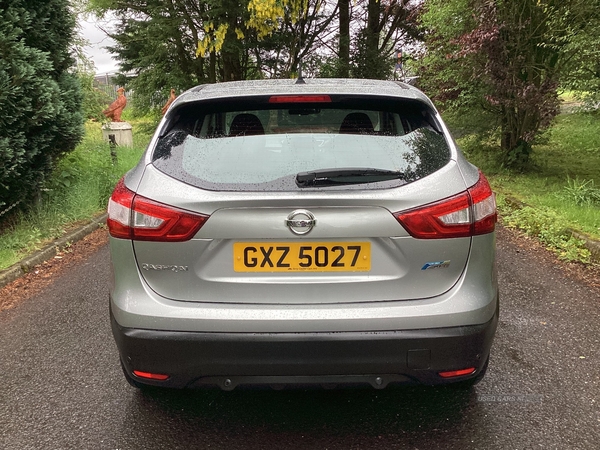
302	257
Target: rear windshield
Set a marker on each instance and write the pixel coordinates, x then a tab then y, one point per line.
263	146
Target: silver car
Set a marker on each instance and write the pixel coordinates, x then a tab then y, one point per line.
286	233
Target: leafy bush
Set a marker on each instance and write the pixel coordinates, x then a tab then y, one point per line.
77	189
40	101
94	100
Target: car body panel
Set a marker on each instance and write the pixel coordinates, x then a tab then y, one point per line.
472	300
375	358
395	273
412	308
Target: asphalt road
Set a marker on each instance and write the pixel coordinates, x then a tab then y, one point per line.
61	385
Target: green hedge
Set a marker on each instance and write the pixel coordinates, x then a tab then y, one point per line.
40	100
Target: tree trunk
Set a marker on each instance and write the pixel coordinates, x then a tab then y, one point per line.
199	70
344	44
509	133
232	70
230	53
372	31
212	67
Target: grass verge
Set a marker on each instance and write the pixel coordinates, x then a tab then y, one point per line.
78	190
559	192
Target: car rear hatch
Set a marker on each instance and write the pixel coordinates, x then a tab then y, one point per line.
304	215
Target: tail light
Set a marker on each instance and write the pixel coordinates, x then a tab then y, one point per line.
469	213
132	216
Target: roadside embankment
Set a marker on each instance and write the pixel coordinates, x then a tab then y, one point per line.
50	251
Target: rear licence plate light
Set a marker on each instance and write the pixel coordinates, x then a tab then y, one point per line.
469	213
302	257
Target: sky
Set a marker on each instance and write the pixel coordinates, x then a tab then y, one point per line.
90	30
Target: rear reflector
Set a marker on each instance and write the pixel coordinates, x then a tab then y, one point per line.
470	213
300	99
457	373
151	376
132	216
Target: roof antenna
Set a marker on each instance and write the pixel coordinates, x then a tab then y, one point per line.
300	80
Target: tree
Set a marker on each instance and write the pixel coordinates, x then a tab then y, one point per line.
181	43
294	34
512	53
583	63
368	34
94	100
156	43
344	39
387	24
40	99
451	84
225	33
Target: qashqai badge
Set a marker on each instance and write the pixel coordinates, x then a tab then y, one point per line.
300	221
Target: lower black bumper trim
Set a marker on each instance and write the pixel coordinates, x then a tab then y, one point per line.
192	358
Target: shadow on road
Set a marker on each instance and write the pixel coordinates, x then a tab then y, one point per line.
291	415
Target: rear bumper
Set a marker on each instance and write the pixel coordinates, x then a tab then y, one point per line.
193	359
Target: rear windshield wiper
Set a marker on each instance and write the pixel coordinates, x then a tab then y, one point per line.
332	177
